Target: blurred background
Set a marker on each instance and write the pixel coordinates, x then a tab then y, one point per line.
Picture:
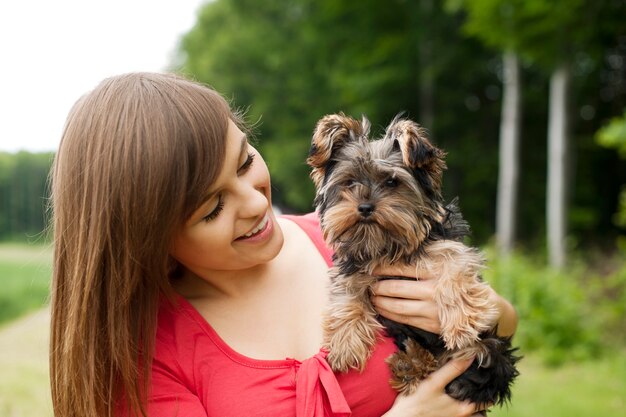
528	98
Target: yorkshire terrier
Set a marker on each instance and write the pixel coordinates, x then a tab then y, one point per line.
380	204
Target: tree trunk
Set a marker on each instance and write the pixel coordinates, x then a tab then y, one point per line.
506	209
557	167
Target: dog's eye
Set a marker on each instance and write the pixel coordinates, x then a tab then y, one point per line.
391	183
349	183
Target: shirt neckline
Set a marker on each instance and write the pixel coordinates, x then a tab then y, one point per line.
224	347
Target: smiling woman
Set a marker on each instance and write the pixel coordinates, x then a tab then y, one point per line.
236	223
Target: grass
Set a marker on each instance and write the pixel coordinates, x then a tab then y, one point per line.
24	287
589	388
24	279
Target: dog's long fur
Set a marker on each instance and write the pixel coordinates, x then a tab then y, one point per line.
380	204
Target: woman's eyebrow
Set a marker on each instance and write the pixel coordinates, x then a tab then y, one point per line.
244	146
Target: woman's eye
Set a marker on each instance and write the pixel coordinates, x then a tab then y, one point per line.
247	164
391	183
216	211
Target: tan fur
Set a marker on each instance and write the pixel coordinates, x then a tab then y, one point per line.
465	310
350	325
330	132
411	136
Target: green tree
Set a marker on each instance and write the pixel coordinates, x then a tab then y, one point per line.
547	34
23	194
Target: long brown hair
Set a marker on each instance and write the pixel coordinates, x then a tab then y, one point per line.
137	154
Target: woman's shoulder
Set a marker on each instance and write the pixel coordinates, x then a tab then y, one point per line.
177	324
310	224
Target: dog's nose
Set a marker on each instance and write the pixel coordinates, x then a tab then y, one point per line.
366	209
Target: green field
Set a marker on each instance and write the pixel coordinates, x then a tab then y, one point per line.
586	389
24	320
24	279
576	389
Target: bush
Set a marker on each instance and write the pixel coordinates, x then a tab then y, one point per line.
570	315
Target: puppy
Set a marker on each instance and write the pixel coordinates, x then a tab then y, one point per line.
380	204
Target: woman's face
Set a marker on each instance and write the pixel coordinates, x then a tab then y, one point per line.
235	228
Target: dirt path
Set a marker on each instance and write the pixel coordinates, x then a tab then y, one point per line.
24	385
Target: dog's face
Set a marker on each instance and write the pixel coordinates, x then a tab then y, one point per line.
376	199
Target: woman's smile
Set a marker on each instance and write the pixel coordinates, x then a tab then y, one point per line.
262	231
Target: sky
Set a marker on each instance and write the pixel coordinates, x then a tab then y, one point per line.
54	51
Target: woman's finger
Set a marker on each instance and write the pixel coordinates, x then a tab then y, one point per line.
448	372
398	288
409	271
420	322
403	307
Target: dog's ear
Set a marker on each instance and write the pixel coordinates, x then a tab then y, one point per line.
422	157
331	133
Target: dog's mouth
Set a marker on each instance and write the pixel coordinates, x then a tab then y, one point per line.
359	229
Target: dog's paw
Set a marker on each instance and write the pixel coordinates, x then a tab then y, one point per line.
342	360
471	314
349	350
349	342
410	366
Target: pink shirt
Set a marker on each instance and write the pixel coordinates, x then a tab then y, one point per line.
195	373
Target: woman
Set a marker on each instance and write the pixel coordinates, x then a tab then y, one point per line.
177	291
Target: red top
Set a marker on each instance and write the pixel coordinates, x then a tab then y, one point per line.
195	373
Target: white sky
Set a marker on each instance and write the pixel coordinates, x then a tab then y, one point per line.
53	51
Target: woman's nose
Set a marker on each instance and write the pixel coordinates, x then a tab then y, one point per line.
254	202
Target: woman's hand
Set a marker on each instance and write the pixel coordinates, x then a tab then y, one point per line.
407	302
412	302
430	398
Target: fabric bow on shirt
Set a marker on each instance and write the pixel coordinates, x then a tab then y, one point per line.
318	393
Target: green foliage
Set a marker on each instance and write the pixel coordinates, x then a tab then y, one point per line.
613	135
23	194
544	32
564	315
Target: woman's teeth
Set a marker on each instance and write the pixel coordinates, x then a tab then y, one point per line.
257	229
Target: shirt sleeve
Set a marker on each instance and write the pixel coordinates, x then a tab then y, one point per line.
169	396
